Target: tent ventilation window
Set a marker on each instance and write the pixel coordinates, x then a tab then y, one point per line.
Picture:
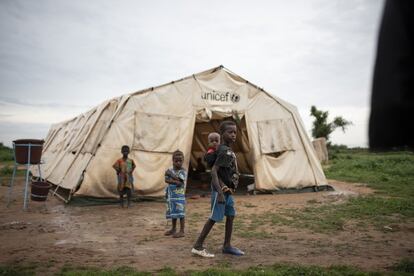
276	154
156	133
277	136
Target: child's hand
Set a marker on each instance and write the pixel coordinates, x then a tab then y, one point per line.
220	198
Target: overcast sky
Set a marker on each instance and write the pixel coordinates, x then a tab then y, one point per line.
60	58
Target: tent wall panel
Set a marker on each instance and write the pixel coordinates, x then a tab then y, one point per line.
156	133
71	179
149	178
60	170
121	132
278	135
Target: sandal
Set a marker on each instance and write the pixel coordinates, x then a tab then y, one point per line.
178	235
170	232
232	251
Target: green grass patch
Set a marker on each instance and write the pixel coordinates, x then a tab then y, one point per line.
390	173
7	162
93	271
223	269
7	171
18	270
166	271
375	211
285	270
6	153
405	266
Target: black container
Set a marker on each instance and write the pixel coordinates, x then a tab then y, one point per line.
40	190
21	148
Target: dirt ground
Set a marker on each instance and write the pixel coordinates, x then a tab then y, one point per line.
54	234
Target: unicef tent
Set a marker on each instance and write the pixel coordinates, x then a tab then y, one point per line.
272	143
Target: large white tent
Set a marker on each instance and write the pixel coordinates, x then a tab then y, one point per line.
272	143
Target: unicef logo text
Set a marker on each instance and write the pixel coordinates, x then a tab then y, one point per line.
219	96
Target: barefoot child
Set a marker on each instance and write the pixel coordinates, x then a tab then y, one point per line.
175	178
224	181
124	168
213	143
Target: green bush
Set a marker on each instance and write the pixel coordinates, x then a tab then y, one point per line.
6	153
6	170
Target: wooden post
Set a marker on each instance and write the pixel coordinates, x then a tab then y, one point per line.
319	144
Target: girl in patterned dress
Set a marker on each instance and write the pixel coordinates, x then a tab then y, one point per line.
175	178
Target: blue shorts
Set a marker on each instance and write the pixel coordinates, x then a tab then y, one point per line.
219	210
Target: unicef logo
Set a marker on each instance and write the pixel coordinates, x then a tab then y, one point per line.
221	96
235	98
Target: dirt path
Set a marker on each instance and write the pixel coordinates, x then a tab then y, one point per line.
55	234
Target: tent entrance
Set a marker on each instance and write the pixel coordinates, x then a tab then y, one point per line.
199	177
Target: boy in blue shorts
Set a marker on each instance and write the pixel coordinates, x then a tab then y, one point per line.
224	181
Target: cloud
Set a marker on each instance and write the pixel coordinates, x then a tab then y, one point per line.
13	131
59	58
46	113
28	103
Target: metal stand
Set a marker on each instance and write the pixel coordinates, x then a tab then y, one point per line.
28	164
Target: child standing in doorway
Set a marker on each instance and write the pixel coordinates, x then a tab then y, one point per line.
175	178
124	168
213	143
224	176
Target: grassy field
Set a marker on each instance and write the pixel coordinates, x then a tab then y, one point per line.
6	153
390	175
7	162
405	267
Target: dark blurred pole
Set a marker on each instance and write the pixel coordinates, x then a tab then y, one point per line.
392	104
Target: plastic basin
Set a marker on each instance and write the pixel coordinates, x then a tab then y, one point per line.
40	190
22	149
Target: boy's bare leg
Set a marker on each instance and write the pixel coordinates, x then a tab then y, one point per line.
173	229
206	229
228	231
227	248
